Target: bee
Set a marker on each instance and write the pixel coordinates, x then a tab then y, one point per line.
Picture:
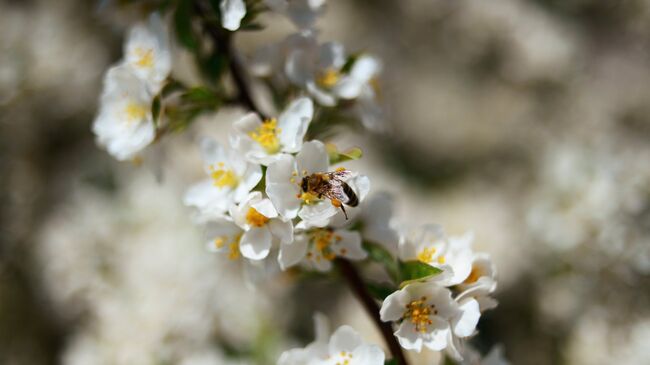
332	186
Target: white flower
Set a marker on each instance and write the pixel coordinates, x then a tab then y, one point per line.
265	142
147	52
494	357
283	186
427	316
428	244
230	180
124	124
317	248
364	70
232	12
302	13
423	312
344	347
316	67
260	222
223	236
480	283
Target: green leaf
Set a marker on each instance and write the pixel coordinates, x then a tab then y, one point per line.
336	156
200	95
347	66
391	362
380	255
183	25
155	110
380	291
416	271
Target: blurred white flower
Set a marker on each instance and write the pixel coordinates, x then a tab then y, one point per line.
359	79
124	124
232	12
303	13
430	245
147	52
317	248
494	357
265	142
231	178
260	222
426	315
345	346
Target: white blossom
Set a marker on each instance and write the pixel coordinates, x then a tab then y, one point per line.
283	186
261	223
426	315
376	219
147	52
265	142
303	13
230	178
317	248
430	245
480	283
345	346
232	12
124	124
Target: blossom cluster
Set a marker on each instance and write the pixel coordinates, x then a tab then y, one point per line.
125	122
253	200
273	193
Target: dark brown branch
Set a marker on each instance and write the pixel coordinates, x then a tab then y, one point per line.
359	289
222	39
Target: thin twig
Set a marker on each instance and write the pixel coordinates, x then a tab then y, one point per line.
223	40
359	289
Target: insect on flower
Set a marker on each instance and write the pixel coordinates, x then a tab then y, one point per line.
332	186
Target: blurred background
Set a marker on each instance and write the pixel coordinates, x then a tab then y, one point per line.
524	121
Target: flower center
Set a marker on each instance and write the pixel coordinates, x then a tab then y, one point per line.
145	57
342	358
233	245
267	136
419	313
426	255
328	78
255	218
222	177
322	240
135	112
308	198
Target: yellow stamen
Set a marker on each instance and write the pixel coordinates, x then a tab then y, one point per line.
426	255
322	240
441	259
222	177
419	313
328	78
267	136
219	242
255	218
135	112
145	57
233	247
308	198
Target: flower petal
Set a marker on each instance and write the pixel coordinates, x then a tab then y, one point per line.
293	124
256	243
292	253
232	12
313	157
281	229
344	339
